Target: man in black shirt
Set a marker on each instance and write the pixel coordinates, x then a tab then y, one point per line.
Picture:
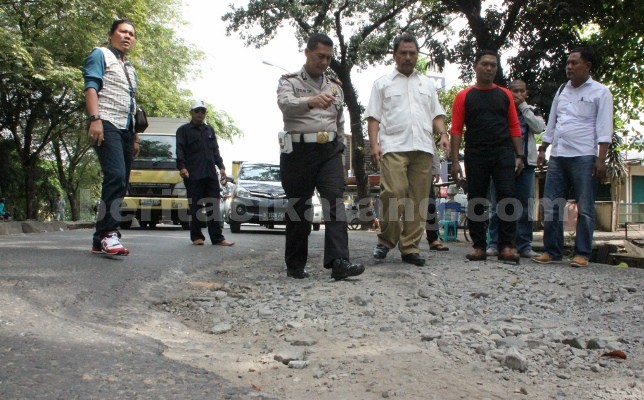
197	156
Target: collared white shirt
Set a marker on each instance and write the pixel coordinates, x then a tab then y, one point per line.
580	118
405	107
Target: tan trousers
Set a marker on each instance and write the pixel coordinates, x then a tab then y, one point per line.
405	178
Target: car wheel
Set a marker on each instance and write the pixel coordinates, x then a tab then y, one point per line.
235	227
185	225
355	224
316	227
126	224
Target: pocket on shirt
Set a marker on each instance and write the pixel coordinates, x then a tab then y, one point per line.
585	108
193	145
394	129
425	91
393	95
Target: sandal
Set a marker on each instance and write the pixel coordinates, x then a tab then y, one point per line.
438	247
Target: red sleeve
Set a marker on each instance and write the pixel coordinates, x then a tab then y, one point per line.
458	113
513	118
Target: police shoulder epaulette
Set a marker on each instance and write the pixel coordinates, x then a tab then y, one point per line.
336	80
287	76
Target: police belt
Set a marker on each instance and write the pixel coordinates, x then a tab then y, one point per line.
315	137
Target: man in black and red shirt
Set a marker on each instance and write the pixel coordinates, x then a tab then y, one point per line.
493	150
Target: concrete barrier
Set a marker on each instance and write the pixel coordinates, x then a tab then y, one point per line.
10	228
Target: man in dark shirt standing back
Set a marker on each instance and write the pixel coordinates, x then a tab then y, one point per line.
493	149
197	156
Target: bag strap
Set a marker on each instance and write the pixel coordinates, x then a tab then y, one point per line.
127	75
561	88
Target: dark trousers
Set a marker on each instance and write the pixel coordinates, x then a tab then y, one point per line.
308	167
497	164
431	228
115	155
204	193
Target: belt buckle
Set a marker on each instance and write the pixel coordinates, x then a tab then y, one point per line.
322	137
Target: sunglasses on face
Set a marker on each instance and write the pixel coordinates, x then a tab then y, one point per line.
199	110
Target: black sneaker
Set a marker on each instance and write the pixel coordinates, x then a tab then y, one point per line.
413	258
342	268
380	251
297	274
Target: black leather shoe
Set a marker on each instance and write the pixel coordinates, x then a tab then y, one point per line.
380	251
342	268
414	258
297	274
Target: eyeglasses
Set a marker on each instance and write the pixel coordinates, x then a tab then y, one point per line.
199	110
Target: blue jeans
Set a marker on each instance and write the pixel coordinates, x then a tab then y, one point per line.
115	155
525	191
565	173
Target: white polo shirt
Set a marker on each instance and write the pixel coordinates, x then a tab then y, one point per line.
580	118
405	107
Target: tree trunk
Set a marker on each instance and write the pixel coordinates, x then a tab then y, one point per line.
31	200
357	142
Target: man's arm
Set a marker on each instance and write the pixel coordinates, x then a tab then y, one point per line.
600	168
181	153
373	127
517	142
438	125
535	122
455	144
290	104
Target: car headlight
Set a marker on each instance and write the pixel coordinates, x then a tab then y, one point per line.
241	192
180	190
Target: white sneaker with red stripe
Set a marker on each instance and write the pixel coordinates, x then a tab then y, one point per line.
111	244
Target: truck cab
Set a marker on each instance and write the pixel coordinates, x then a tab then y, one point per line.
156	192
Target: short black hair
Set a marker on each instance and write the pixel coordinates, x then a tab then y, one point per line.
587	54
479	54
118	22
317	38
405	37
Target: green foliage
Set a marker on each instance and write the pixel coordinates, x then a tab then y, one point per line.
362	30
535	38
43	45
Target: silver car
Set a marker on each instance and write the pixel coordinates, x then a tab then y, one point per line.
258	198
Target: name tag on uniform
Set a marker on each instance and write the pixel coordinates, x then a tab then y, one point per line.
286	142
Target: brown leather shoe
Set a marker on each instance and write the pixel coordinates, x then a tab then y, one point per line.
477	255
508	255
579	261
224	243
198	242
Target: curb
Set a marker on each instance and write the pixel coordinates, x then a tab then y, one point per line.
22	227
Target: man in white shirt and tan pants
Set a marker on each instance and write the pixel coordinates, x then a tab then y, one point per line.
580	122
402	116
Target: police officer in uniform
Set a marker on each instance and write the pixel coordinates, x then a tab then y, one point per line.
311	104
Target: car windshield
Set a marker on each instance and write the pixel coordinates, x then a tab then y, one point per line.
260	172
157	147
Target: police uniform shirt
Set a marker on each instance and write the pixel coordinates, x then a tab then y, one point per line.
293	93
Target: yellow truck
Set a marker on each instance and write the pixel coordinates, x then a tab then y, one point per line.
156	193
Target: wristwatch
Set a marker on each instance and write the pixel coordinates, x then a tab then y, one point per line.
94	117
521	156
541	148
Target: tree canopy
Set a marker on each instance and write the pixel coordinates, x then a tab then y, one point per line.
362	30
43	45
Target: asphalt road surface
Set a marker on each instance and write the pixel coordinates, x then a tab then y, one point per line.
69	319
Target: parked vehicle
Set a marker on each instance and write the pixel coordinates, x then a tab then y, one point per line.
156	192
258	198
